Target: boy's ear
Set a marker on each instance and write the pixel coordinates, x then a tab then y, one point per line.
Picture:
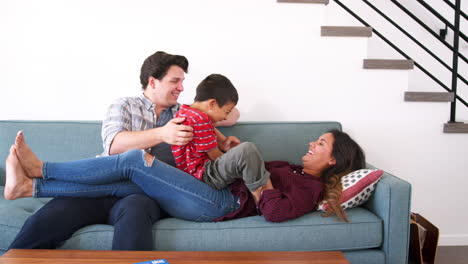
212	103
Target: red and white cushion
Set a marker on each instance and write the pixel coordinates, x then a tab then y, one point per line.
358	186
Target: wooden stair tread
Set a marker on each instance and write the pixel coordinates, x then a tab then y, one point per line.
429	97
388	64
455	128
341	31
305	1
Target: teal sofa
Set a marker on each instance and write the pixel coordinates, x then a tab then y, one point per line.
378	231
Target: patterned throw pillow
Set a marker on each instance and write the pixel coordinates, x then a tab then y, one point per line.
358	186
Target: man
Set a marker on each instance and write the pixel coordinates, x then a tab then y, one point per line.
143	122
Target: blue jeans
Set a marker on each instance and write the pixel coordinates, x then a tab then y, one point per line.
178	193
132	218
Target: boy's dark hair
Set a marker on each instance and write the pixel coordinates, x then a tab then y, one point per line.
218	87
157	65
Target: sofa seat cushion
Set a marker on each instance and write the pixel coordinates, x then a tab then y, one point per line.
308	233
311	232
14	214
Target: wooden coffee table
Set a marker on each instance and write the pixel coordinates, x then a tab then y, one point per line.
40	256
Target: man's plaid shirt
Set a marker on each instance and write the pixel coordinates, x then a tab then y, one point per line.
132	114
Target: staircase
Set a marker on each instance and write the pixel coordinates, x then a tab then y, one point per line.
367	31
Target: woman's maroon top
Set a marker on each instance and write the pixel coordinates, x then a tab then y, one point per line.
295	193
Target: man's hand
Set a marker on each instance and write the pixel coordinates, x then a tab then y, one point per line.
176	134
229	143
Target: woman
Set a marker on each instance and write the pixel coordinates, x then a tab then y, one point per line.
292	191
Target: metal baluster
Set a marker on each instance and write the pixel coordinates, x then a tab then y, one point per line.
456	39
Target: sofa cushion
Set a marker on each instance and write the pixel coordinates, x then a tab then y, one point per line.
358	186
14	214
310	232
71	140
52	140
287	141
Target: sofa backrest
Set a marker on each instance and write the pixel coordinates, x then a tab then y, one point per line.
287	141
52	140
70	140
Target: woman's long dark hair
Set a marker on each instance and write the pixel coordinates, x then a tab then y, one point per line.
349	157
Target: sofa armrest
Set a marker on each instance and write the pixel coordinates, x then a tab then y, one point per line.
391	202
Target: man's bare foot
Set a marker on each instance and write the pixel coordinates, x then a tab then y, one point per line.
17	185
31	164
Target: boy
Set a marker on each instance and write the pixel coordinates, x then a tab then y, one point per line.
203	156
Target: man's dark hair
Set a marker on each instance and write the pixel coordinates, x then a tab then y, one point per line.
218	87
157	65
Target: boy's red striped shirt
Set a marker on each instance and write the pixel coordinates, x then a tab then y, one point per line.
192	157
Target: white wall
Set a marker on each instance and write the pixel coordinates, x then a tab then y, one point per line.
70	59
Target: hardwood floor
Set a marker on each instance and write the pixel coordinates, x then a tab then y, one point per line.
452	255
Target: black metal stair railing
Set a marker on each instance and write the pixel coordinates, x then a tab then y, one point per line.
456	42
441	18
453	7
427	28
455	48
414	39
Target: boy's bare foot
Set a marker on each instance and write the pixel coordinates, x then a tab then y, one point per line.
17	185
268	185
257	194
31	164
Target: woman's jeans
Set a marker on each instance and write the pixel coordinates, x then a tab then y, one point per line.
178	193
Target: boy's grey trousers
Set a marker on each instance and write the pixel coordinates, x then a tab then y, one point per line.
243	161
